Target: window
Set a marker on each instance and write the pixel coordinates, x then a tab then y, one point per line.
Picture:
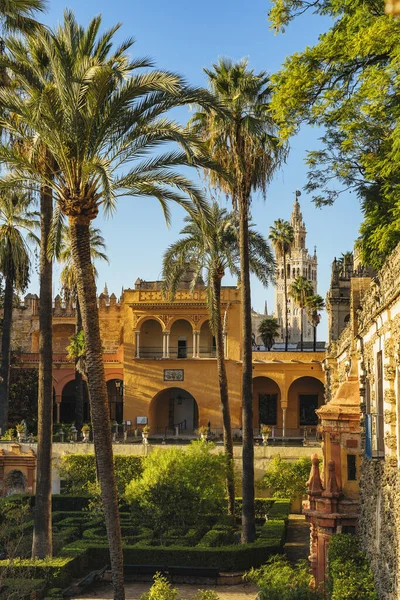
351	467
379	424
267	409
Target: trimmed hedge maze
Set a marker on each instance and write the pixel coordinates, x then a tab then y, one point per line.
81	540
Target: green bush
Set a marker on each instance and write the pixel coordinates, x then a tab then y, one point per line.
287	479
349	574
278	580
178	487
162	590
279	510
261	505
78	470
22	588
55	570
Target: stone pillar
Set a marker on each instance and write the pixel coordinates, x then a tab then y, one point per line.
195	344
283	421
167	344
164	344
58	407
137	344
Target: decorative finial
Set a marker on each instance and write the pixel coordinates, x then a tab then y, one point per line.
105	291
297	194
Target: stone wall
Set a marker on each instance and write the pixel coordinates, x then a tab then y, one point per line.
379	525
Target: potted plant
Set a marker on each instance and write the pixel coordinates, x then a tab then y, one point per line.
265	431
85	432
203	432
145	433
20	427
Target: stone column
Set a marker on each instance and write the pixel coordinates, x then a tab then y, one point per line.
137	344
283	422
195	339
58	406
167	344
164	343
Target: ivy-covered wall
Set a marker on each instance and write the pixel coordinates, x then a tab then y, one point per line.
379	523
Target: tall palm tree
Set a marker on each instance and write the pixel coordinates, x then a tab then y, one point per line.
17	224
314	304
68	283
282	237
19	15
99	119
268	330
211	245
243	141
300	290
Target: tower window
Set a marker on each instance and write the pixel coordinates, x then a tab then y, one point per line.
351	467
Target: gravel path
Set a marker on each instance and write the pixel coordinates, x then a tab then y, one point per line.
103	591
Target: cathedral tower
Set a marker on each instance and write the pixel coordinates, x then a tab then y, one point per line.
299	262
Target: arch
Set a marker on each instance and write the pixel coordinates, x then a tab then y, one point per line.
15	482
347	319
68	403
305	395
207	341
266	402
150	338
145	318
115	393
181	339
173	407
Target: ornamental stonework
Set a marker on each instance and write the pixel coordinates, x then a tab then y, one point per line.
389	417
389	396
390	441
389	372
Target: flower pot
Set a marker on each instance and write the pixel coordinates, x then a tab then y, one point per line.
20	435
145	435
86	435
204	436
265	438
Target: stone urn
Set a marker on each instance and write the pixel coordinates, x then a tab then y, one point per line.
145	434
265	437
85	435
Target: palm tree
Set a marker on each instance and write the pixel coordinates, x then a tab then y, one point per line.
314	304
243	141
68	283
96	114
268	330
211	245
18	15
282	237
300	290
17	222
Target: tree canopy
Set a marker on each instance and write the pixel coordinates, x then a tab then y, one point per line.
347	83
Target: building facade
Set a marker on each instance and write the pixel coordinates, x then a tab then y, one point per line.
298	262
160	365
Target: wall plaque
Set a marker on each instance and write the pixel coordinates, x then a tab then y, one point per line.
173	374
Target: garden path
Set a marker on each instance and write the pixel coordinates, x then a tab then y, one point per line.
103	591
298	538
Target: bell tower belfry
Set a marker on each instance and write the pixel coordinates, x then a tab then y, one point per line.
299	262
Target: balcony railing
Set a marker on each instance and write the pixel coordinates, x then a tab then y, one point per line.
175	353
62	357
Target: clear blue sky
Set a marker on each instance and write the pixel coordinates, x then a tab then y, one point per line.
185	36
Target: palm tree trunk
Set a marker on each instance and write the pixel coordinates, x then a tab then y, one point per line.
223	391
6	351
86	286
315	338
286	303
42	545
78	377
248	513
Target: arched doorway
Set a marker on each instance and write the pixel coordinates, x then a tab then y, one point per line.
181	339
150	339
171	408
115	392
305	396
68	403
266	402
207	341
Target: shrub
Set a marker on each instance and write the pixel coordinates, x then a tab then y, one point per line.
278	580
287	479
17	588
349	574
160	590
80	469
178	487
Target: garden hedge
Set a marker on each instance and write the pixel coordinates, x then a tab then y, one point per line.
349	573
22	588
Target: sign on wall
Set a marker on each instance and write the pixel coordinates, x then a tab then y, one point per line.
173	374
